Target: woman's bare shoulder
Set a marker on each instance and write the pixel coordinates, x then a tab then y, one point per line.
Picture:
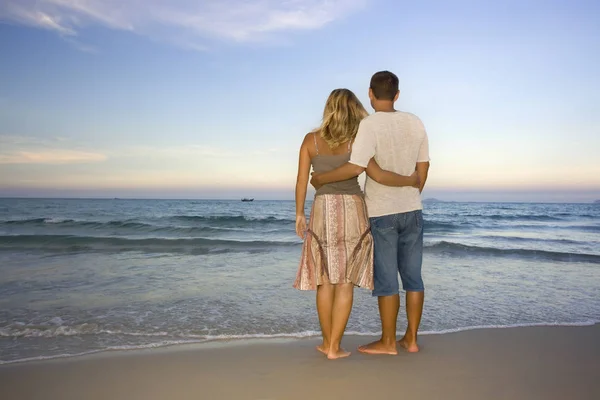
309	138
309	142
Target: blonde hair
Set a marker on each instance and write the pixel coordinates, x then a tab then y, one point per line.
343	112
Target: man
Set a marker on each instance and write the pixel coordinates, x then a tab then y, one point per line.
398	142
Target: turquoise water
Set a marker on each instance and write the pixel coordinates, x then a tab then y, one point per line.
79	276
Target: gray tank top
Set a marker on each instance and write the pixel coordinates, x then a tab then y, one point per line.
325	163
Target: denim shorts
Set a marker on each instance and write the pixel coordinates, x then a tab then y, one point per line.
398	241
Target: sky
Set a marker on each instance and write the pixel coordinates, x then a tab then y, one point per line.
211	99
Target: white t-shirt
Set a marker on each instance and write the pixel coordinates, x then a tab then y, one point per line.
398	141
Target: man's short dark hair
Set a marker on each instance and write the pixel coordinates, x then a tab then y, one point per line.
384	85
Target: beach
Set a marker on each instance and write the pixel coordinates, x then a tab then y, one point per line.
511	363
193	299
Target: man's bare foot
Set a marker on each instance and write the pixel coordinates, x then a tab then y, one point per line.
410	347
378	348
323	349
339	353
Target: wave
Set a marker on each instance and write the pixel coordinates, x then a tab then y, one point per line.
530	226
526	217
31	221
74	223
519	239
51	331
175	225
438	226
45	331
463	249
576	215
69	243
582	228
200	339
229	219
588	228
134	223
94	329
477	222
185	224
199	246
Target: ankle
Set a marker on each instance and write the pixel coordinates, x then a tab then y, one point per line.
410	337
334	347
388	341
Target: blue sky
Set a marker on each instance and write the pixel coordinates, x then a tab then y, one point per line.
211	99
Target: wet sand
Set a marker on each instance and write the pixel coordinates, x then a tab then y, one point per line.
514	363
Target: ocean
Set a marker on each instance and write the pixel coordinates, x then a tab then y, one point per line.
83	276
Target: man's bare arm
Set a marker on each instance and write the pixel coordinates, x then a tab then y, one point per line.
422	171
389	178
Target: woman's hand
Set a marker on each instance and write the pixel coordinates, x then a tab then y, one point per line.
314	180
415	180
300	226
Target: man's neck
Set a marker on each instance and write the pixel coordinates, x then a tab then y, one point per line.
384	106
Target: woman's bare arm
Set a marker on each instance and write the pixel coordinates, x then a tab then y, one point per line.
388	178
422	171
303	175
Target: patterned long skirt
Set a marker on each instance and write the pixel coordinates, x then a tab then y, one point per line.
338	247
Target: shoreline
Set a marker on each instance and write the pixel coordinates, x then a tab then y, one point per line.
552	362
243	340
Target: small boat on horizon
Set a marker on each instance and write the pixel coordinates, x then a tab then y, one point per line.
245	199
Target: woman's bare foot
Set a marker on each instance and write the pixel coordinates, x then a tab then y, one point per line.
339	353
378	347
409	346
323	348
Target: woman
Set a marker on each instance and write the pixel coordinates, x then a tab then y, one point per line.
338	248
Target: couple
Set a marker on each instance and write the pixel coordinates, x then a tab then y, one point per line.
355	240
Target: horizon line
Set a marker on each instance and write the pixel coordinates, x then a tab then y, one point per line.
435	200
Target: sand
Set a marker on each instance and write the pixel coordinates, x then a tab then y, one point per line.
514	363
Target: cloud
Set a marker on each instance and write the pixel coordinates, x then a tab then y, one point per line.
86	48
197	152
27	13
9	141
188	23
16	149
58	156
175	152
